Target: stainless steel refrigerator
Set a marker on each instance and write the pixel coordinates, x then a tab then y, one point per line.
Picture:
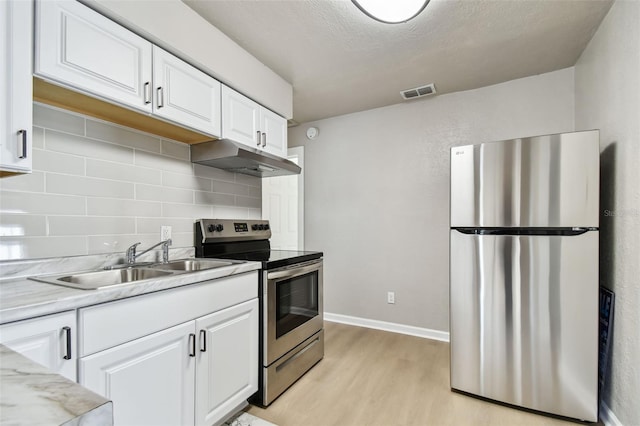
524	272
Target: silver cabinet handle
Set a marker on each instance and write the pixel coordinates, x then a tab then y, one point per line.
23	154
160	97
203	340
192	344
147	93
264	140
67	335
258	137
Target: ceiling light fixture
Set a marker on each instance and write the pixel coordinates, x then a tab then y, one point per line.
391	11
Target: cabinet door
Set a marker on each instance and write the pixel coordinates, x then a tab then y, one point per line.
150	380
227	361
185	94
274	133
83	50
240	118
47	340
15	85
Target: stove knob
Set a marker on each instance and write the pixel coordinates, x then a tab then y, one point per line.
261	227
219	228
266	227
211	228
254	227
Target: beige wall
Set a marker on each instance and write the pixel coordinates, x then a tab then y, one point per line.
377	191
608	98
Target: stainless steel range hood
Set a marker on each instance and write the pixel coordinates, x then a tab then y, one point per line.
229	155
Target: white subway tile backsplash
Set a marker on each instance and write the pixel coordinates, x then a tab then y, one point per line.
37	138
146	225
176	149
213	173
19	225
157	161
255	192
179	180
56	119
215	199
162	193
122	136
124	172
97	188
51	161
228	212
91	225
91	148
30	182
230	188
98	244
75	185
193	211
248	202
19	202
249	180
39	247
119	207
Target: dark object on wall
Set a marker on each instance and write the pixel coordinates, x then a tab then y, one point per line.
607	302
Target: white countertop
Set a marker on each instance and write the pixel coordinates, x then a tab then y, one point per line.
22	298
33	395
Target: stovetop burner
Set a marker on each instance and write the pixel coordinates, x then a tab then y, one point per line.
244	240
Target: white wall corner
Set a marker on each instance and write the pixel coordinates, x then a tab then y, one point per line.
607	417
410	330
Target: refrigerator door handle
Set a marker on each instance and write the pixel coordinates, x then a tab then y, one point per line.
565	232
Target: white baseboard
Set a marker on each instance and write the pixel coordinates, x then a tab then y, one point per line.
607	417
388	326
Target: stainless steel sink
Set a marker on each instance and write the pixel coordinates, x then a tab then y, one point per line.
192	264
101	279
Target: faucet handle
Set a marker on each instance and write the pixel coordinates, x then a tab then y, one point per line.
131	252
165	250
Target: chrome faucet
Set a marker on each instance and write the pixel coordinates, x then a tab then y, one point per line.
132	255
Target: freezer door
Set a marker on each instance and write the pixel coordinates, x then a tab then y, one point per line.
542	181
524	320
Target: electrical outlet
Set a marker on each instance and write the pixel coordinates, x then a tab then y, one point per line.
391	297
165	232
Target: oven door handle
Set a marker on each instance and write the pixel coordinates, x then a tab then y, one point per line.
294	272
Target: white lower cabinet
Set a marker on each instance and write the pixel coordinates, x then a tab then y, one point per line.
149	380
228	352
187	356
48	340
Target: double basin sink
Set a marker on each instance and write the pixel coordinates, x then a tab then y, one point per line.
126	274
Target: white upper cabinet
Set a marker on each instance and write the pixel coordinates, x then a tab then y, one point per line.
16	18
82	49
250	124
185	94
274	133
240	118
48	340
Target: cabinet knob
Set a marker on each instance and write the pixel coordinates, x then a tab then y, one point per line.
203	340
192	344
23	153
67	336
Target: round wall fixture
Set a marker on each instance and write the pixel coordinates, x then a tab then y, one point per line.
312	133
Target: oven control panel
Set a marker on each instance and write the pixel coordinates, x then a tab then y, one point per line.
221	230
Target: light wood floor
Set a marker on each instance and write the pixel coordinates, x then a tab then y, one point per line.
371	377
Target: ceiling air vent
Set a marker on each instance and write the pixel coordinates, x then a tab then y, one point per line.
419	92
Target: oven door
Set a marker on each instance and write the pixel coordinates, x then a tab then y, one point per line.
292	307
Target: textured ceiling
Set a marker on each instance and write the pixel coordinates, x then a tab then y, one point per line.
341	61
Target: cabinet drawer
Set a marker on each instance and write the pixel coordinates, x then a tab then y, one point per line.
110	324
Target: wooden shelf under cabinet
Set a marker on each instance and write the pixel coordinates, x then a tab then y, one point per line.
62	97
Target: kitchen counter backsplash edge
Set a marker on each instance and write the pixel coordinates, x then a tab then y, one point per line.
24	268
21	298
